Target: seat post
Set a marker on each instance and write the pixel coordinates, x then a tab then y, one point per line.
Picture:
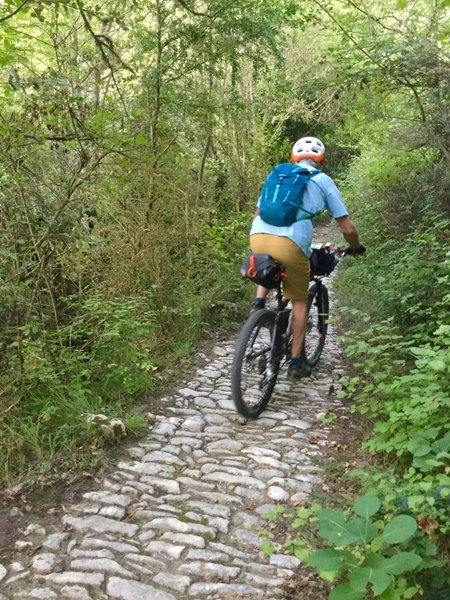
279	297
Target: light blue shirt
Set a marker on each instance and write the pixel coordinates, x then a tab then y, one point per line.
320	194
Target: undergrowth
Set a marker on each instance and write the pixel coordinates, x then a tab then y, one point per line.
108	354
391	542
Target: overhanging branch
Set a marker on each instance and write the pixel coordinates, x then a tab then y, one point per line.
191	10
402	80
18	9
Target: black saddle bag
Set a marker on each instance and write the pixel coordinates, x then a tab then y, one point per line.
263	270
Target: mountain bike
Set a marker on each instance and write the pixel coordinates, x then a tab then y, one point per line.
264	347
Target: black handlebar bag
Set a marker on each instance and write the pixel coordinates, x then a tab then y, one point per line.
323	262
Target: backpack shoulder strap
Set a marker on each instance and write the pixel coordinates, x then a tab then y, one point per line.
312	173
312	178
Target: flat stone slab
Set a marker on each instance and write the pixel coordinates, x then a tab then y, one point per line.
43	594
54	541
173	524
177	583
166	549
185	539
101	525
75	592
284	561
209	570
121	547
106	498
134	590
298	424
93	579
231	590
104	565
43	563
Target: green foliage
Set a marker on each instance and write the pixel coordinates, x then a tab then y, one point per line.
405	388
95	364
365	552
130	152
328	418
116	338
396	329
275	513
384	88
267	548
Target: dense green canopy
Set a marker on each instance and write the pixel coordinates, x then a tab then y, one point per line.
134	138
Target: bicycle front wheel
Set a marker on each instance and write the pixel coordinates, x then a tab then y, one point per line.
253	374
316	329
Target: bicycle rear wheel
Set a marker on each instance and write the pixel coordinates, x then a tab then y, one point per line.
316	329
253	374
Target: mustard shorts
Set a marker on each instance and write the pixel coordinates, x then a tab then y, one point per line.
295	262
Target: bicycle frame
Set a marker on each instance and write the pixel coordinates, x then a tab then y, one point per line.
319	285
258	360
281	327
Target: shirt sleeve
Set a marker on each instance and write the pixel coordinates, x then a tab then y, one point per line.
333	199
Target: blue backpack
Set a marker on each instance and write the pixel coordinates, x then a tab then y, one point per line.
282	192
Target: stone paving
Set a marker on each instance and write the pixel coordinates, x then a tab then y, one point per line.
180	516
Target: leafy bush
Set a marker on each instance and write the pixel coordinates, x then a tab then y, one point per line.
368	550
405	389
397	335
95	364
109	351
115	338
364	551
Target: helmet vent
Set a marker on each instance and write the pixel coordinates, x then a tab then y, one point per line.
308	147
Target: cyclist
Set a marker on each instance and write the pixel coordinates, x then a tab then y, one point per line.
291	245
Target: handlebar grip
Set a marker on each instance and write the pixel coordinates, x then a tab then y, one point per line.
355	251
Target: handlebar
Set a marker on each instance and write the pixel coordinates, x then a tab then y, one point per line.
325	257
354	251
339	250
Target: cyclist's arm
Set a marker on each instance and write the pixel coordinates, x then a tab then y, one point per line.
349	232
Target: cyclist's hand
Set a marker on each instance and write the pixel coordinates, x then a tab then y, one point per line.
355	251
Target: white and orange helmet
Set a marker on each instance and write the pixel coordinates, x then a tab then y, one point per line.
308	147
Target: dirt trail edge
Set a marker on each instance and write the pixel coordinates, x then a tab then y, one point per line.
179	518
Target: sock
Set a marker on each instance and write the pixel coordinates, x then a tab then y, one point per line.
296	362
259	301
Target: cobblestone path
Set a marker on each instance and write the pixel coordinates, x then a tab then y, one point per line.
179	517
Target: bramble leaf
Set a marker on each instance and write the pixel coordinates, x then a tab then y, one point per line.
402	562
380	581
327	560
442	445
419	447
334	528
365	530
367	506
399	529
359	578
345	592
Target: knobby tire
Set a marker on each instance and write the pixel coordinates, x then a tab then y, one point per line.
317	326
251	359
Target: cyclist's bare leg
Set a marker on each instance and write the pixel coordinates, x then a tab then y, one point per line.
261	292
299	321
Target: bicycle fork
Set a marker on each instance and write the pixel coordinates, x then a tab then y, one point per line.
279	339
322	316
